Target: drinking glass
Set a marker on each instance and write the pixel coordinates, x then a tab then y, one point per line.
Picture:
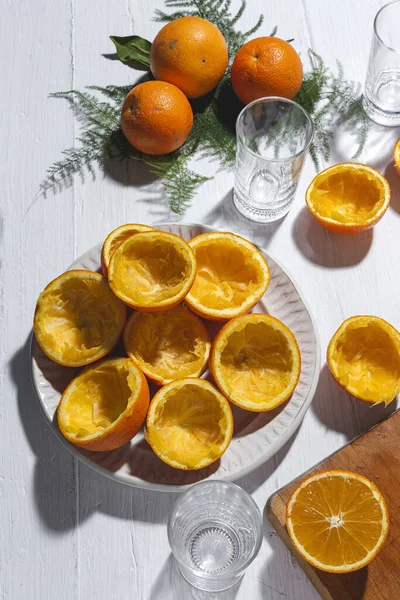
381	98
215	532
273	135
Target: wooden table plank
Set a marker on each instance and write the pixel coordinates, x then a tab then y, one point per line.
38	550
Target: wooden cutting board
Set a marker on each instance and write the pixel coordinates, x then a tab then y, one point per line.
375	454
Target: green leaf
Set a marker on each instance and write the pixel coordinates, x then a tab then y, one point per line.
133	48
328	97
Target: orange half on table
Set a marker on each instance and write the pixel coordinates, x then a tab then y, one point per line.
105	406
337	520
396	155
255	361
167	345
232	276
152	271
115	239
348	197
364	358
189	424
78	319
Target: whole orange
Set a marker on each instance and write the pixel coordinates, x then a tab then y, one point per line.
156	117
266	66
191	53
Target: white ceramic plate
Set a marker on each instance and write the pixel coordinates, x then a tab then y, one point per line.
257	437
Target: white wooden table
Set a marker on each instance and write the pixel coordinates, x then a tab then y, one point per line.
67	532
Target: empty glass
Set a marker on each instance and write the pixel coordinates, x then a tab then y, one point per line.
382	86
215	532
273	135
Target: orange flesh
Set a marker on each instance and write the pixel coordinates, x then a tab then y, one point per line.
189	425
337	520
367	362
172	344
150	269
348	197
125	232
257	362
225	276
78	317
98	400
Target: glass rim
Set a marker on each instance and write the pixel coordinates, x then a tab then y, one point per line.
259	533
378	14
268	99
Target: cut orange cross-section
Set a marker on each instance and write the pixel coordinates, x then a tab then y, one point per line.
364	358
255	361
152	271
337	521
105	406
189	424
232	276
78	319
348	197
167	345
115	239
396	155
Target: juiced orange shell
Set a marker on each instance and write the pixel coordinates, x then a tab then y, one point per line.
78	319
104	406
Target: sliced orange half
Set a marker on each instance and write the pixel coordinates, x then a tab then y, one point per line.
167	345
255	361
364	358
105	406
78	319
396	155
189	424
152	271
348	197
232	276
337	520
115	239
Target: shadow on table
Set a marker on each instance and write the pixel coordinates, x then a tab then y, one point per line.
226	216
57	473
378	150
281	559
66	492
129	172
339	411
54	484
256	478
136	174
328	249
170	585
271	581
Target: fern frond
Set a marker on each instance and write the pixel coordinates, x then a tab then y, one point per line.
216	11
329	98
179	181
115	93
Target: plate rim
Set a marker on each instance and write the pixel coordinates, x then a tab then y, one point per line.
176	488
